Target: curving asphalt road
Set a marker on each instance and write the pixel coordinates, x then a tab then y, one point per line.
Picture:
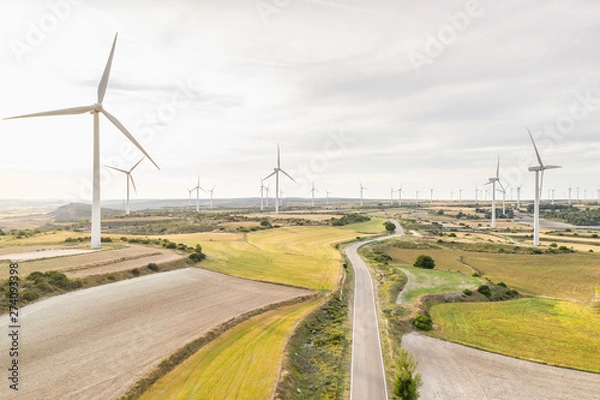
367	380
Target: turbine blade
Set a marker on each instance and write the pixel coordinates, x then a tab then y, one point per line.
498	168
278	157
117	169
541	183
104	81
537	153
552	166
132	183
62	111
128	135
288	175
270	175
136	164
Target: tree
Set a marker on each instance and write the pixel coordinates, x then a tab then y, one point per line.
389	227
407	383
424	261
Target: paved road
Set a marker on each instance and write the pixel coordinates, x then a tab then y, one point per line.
367	379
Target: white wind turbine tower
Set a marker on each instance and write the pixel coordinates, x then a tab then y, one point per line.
190	193
327	192
267	195
460	197
519	196
539	181
280	198
392	196
96	109
212	192
493	182
431	196
312	193
503	190
570	188
400	196
197	188
476	193
129	179
276	172
552	191
451	196
362	189
417	196
262	192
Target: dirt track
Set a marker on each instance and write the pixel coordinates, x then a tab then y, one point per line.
451	371
95	343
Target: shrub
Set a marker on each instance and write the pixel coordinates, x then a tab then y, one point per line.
468	292
135	272
485	290
422	322
152	267
389	227
424	261
197	257
502	284
105	240
407	382
265	223
30	295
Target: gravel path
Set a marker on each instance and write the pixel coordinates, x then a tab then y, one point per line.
451	371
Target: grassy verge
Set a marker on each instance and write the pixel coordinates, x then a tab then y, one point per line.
375	225
241	363
553	332
318	354
435	282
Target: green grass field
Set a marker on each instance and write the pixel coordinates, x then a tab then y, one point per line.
375	225
300	256
424	281
554	332
570	276
243	363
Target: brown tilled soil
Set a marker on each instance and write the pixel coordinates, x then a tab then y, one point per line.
451	371
95	343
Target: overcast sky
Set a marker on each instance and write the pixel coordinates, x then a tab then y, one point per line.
423	94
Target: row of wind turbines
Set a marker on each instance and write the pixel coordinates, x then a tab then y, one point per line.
98	108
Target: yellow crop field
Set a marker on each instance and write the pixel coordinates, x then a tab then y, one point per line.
300	256
375	225
57	237
243	363
554	332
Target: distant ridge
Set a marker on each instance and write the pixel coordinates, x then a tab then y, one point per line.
77	212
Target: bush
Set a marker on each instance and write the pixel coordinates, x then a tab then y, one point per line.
502	284
197	257
468	292
424	261
265	223
423	322
135	272
152	267
389	227
30	295
407	383
485	290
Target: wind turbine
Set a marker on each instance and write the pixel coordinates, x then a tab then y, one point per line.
190	192
392	196
476	192
553	189
96	109
431	196
212	192
197	188
519	196
129	179
267	195
503	191
262	191
362	189
276	172
451	196
460	197
312	192
493	182
570	188
400	196
417	197
327	192
538	190
280	198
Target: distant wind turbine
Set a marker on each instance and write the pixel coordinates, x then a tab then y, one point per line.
460	197
392	196
519	196
400	196
276	172
327	192
212	192
312	193
96	109
267	195
417	196
431	196
539	181
262	192
362	189
493	181
197	188
570	188
476	192
129	179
